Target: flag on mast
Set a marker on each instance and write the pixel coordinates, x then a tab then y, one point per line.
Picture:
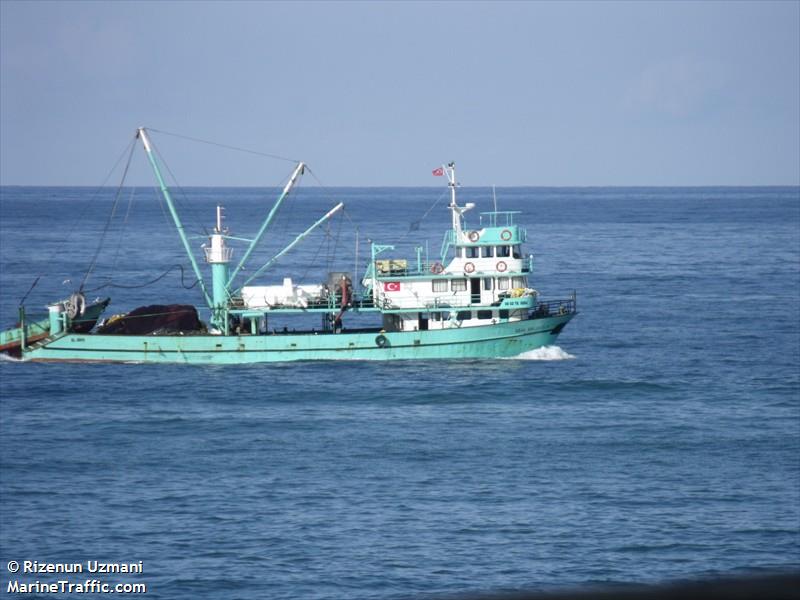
438	172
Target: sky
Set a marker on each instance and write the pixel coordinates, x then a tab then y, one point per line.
380	93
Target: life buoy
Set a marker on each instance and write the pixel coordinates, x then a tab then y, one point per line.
501	266
469	267
505	235
474	236
381	341
437	268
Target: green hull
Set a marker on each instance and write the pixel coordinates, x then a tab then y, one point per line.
35	331
11	339
506	339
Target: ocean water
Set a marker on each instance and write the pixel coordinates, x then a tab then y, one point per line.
659	441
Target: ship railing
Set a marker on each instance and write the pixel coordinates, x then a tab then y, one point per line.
435	267
218	254
425	303
368	302
439	303
413	268
365	302
402	268
502	218
555	308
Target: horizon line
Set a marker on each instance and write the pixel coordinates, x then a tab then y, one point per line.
531	186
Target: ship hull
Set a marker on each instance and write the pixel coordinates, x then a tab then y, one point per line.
489	341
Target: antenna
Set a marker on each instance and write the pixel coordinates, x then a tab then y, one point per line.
494	198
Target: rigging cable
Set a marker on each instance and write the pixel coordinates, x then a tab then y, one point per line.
157	279
344	211
237	149
182	206
108	221
82	214
30	289
316	255
325	189
346	214
160	202
332	257
123	229
424	216
282	221
199	226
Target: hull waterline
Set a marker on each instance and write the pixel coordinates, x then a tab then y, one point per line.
491	341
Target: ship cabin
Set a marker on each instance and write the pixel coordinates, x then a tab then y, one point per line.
481	278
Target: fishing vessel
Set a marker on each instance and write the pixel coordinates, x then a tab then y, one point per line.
473	300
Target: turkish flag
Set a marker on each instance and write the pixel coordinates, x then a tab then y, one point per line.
438	172
391	286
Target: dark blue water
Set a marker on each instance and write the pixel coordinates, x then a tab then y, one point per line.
667	448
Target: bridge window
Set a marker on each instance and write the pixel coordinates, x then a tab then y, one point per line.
502	283
458	285
439	285
516	252
503	251
486	252
472	252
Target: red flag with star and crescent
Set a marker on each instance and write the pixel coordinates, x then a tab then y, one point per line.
391	286
438	172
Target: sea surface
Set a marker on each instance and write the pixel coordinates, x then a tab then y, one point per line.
659	441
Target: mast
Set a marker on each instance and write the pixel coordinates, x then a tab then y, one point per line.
451	178
299	170
140	133
296	241
218	255
458	211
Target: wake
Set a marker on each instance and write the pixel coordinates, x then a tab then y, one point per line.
544	353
